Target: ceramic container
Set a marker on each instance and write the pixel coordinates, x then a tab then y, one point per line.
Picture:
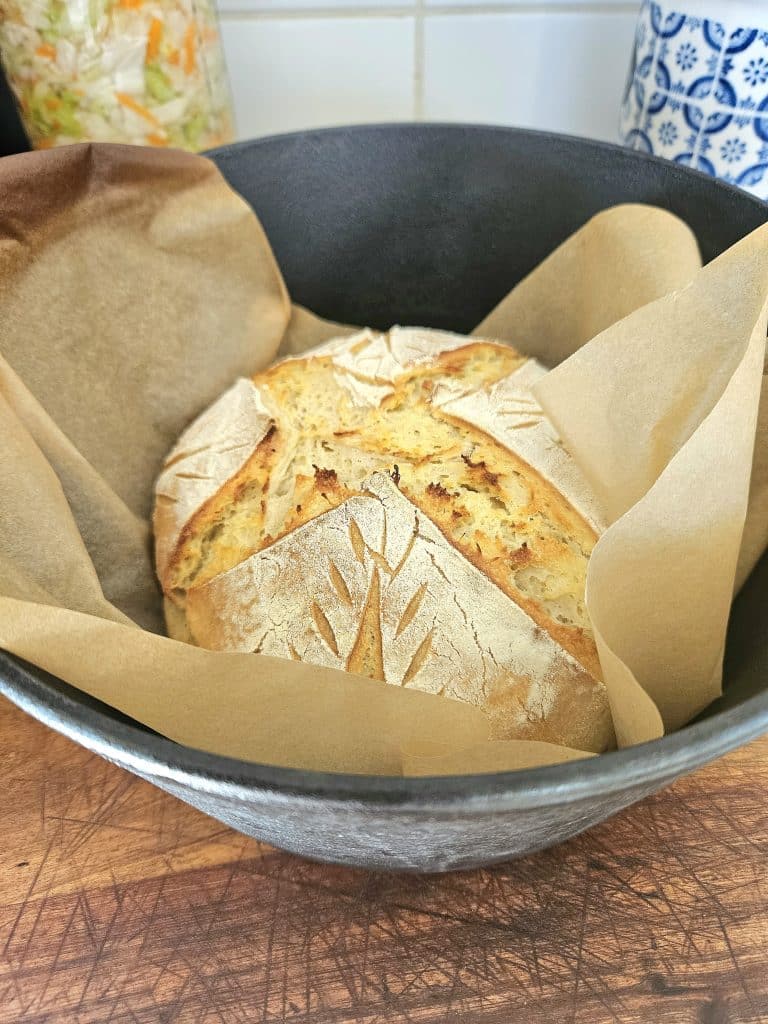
697	89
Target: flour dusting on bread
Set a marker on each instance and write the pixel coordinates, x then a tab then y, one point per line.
395	505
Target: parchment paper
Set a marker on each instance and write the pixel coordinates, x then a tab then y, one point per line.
135	286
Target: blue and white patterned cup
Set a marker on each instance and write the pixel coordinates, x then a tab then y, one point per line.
697	90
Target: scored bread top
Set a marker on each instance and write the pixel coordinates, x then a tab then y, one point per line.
265	502
213	449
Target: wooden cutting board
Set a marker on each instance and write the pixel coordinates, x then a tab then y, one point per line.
121	905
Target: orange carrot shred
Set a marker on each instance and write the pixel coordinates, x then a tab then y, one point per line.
46	50
137	108
190	43
153	39
131	5
157	140
173	57
52	102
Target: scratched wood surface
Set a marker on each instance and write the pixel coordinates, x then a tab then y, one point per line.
120	905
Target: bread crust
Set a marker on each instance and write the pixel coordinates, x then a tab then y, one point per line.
398	506
209	453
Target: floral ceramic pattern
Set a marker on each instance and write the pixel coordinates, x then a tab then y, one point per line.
697	93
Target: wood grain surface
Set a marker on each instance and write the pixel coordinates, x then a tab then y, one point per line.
121	905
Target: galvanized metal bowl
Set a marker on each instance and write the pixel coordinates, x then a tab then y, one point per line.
431	225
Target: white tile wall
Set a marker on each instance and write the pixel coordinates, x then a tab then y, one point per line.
560	71
556	64
290	73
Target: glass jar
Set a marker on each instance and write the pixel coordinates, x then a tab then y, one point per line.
147	72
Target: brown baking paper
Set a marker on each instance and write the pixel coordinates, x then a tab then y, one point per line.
135	286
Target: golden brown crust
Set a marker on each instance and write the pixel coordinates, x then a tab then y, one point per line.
499	563
373	587
443	420
211	451
188	558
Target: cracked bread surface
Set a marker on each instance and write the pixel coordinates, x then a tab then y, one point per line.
393	505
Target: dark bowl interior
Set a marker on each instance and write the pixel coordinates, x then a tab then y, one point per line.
431	225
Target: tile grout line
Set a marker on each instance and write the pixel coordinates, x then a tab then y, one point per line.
318	14
419	58
419	10
289	12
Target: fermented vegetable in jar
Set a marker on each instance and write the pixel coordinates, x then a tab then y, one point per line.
147	72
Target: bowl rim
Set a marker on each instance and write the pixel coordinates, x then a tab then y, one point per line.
148	754
219	153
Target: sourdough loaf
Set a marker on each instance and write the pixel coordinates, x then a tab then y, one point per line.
395	505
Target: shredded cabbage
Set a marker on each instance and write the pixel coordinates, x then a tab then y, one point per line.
148	72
